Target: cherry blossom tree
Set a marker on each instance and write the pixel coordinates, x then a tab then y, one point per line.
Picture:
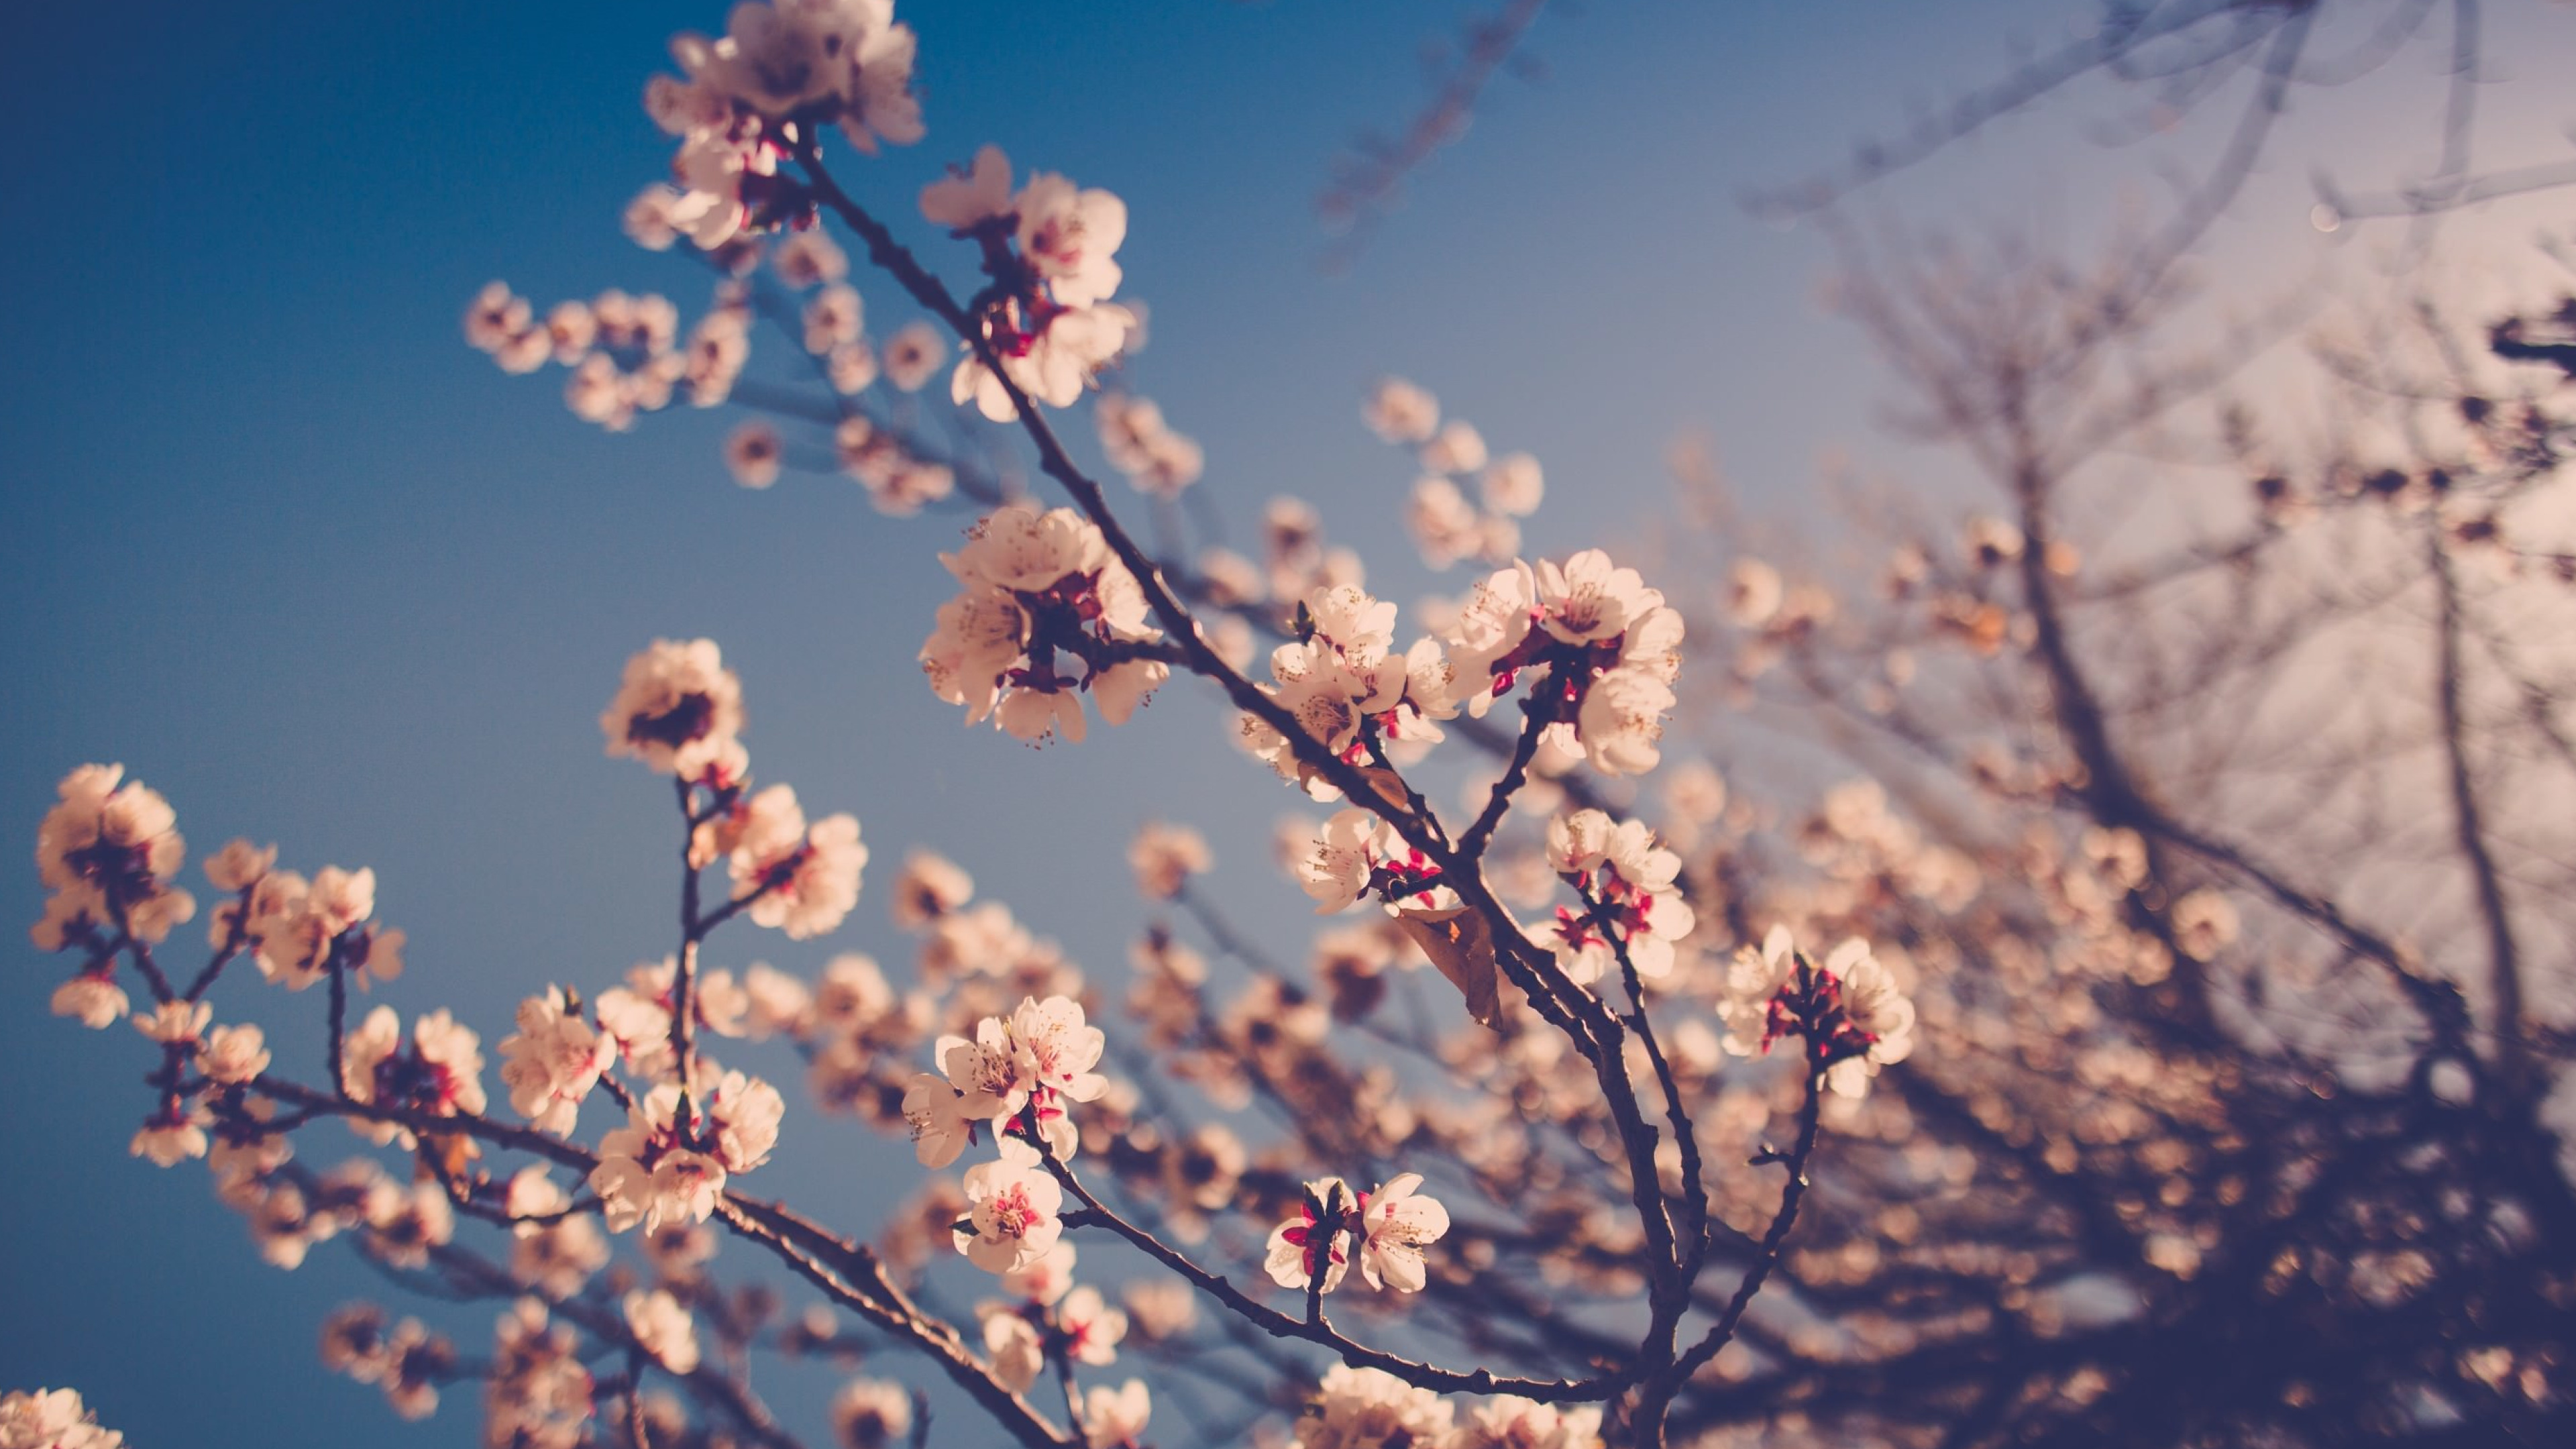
2065	1077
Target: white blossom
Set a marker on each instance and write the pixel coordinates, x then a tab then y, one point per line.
1394	1223
1013	1208
663	1329
1401	412
551	1063
678	710
232	1055
871	1414
1114	1417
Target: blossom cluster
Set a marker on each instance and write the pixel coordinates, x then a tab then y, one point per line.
1597	647
52	1419
106	853
1366	1408
1018	1071
751	96
679	712
1848	1009
1158	459
666	1167
1449	526
1389	1227
1050	248
1633	907
405	1359
1040	593
1347	687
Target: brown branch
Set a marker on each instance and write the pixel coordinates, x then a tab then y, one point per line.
2504	970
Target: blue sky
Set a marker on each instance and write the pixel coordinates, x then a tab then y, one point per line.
286	548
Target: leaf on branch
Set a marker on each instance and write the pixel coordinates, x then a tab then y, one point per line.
1388	784
449	1154
1460	943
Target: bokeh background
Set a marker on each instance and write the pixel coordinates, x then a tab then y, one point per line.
280	543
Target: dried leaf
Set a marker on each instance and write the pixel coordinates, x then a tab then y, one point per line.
1460	943
1388	785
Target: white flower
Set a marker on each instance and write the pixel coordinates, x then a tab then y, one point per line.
1296	1250
1038	586
1013	1209
940	1128
1121	688
1880	1015
107	852
1370	1409
913	355
1622	721
1508	1421
1060	1048
1445	526
961	199
1400	412
175	1023
1629	880
1045	1279
1112	1417
775	1003
1490	628
645	1176
171	1139
743	1116
239	865
1092	1329
1456	448
232	1055
871	1414
930	886
552	1062
833	318
1513	484
1015	1347
1051	365
1394	1224
994	1072
1145	448
1753	980
440	1076
851	367
52	1419
1164	857
809	258
678	709
978	636
92	1000
752	455
823	887
1337	869
1753	593
555	1258
663	1329
1588	599
1038	715
1068	236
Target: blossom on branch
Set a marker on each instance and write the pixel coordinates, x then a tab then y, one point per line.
553	1061
1041	592
107	852
1631	878
679	712
52	1419
1848	1010
441	1076
1013	1209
